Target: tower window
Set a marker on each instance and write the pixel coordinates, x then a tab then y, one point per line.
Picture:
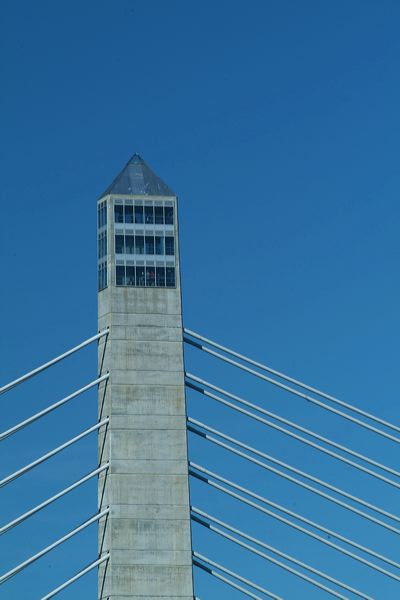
130	275
149	242
128	214
119	213
169	245
148	214
170	279
139	243
119	244
139	214
169	215
120	272
129	244
158	215
159	244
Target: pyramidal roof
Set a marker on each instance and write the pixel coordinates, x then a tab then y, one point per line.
137	178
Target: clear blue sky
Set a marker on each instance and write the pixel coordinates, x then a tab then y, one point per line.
277	124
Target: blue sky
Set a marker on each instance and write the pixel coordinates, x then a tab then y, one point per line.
277	125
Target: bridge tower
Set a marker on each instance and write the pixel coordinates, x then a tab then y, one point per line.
146	486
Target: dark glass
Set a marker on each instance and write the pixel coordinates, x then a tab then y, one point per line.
128	214
129	244
148	214
149	239
159	245
119	244
119	213
100	278
120	272
169	215
139	243
169	245
104	276
170	276
140	276
130	275
159	215
105	245
138	214
160	274
150	276
104	221
99	223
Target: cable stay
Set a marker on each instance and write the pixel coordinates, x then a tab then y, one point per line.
295	436
81	573
49	409
45	457
52	362
211	527
249	583
204	476
277	471
49	501
310	399
60	541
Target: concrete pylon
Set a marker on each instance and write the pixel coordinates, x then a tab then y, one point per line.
146	487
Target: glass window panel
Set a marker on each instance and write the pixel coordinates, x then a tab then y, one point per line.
105	214
159	215
148	214
138	214
105	245
170	272
119	213
169	245
119	244
150	276
140	276
120	272
159	244
169	215
129	244
139	242
128	214
130	275
149	239
99	213
105	276
160	273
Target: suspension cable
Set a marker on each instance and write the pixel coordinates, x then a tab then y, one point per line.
232	574
311	477
294	391
301	438
300	384
45	457
49	409
52	362
81	573
296	516
279	563
60	541
281	473
39	507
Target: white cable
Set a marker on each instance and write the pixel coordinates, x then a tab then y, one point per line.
302	439
295	381
39	507
294	391
60	541
62	587
236	576
296	516
302	473
49	409
52	362
280	473
280	563
45	457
